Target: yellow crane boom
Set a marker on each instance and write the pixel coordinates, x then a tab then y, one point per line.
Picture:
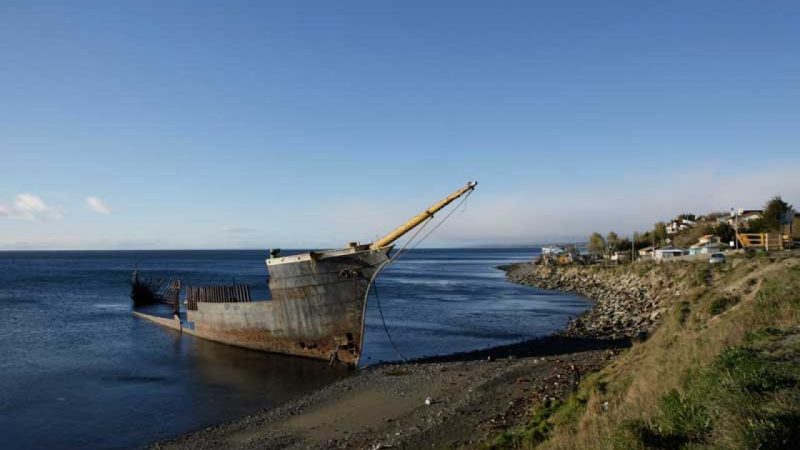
398	232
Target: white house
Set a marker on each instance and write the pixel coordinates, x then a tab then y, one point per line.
704	249
679	225
709	239
555	251
743	216
668	253
620	256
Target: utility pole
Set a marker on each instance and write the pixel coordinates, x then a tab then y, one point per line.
633	248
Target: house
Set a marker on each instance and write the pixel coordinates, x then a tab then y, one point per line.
583	253
679	225
706	244
708	239
705	249
555	251
668	253
646	252
620	256
743	216
748	215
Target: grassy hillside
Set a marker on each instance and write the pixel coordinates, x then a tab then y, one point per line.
721	371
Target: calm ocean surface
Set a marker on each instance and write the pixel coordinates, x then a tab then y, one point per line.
77	370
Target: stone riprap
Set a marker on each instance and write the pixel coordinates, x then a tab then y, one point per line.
626	303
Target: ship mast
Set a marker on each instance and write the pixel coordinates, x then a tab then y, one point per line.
398	232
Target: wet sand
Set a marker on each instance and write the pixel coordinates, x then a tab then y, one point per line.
473	397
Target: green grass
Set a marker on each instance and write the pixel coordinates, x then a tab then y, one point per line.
746	395
545	419
774	295
682	420
535	431
762	334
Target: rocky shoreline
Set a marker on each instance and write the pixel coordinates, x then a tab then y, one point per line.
626	304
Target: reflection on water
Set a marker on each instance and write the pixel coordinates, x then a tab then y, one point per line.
276	376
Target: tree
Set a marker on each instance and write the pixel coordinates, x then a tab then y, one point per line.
612	241
755	226
716	215
643	240
597	244
774	212
725	232
660	233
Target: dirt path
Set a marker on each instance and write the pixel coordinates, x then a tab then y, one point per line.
473	397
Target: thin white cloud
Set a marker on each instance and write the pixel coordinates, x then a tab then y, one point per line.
98	206
30	207
239	230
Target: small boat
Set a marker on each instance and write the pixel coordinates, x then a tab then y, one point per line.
318	300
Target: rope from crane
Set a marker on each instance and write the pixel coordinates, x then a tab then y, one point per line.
373	286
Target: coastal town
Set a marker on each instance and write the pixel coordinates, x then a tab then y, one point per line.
689	236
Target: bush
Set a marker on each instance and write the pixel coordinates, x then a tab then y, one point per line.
684	310
721	304
702	275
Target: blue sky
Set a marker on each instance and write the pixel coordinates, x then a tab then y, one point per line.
310	124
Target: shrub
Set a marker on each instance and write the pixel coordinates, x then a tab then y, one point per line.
721	304
684	310
702	275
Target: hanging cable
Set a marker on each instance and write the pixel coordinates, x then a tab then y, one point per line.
385	327
403	250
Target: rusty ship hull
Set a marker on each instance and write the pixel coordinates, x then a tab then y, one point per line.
317	307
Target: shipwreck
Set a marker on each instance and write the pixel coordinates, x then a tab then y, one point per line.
318	300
